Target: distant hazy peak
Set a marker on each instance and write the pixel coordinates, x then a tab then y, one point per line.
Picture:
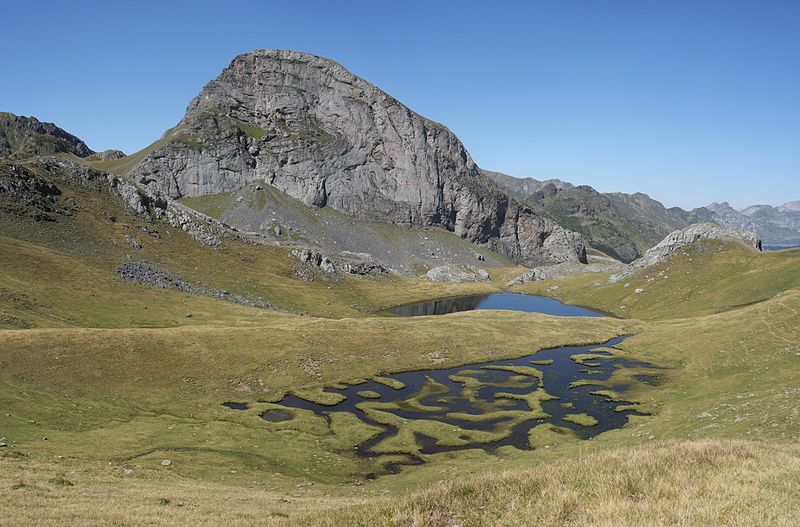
716	206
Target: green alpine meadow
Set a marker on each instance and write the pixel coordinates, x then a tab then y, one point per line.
306	304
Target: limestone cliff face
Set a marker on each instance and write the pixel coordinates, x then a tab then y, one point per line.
317	132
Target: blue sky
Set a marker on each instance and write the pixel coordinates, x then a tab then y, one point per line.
688	101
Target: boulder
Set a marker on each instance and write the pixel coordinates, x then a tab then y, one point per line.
457	274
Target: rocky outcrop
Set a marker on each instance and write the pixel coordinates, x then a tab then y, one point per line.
25	194
361	264
107	155
457	274
315	131
553	272
26	137
147	274
143	201
315	258
684	237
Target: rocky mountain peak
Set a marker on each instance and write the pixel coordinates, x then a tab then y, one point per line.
719	207
319	133
24	137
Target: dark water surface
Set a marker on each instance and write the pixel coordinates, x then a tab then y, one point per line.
276	416
502	301
236	406
779	247
452	397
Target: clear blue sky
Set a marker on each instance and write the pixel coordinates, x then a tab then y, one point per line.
688	101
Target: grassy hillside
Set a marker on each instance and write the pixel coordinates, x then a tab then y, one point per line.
102	380
709	277
63	273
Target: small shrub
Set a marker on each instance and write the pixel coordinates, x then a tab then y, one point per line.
61	481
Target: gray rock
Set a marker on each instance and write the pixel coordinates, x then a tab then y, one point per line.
145	273
327	266
530	275
166	463
362	264
328	138
132	242
315	258
313	262
110	155
684	237
457	274
597	264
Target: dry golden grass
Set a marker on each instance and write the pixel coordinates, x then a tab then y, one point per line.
43	493
707	482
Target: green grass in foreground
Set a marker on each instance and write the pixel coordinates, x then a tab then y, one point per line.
709	278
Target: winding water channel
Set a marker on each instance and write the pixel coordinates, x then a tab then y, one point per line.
486	405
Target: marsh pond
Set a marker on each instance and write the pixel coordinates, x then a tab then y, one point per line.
548	396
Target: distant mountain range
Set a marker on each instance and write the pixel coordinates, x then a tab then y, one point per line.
625	225
621	225
778	226
292	147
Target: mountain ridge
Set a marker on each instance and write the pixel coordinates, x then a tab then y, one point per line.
625	225
621	225
23	137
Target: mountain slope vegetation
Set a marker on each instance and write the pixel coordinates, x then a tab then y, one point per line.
621	225
144	341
